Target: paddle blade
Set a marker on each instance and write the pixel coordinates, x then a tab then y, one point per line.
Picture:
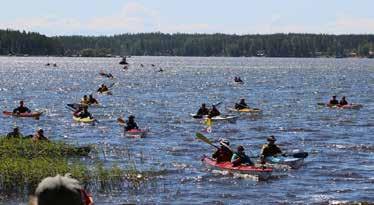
121	121
203	138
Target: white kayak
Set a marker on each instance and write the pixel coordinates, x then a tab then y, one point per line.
223	117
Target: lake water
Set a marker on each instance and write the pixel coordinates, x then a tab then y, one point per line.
340	142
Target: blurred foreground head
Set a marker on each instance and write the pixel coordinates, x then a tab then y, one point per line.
59	190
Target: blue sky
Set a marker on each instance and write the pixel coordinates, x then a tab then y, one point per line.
108	17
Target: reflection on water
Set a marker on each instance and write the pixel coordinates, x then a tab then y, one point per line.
287	90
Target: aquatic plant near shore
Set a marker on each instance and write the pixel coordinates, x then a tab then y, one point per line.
25	163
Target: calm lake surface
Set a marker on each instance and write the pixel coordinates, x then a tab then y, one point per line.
340	166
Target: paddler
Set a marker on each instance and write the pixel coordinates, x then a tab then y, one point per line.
103	88
214	112
343	101
39	136
334	101
60	190
85	100
92	100
21	108
83	113
270	149
241	104
203	110
130	123
223	153
15	133
239	157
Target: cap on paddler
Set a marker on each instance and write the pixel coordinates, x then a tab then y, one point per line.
271	139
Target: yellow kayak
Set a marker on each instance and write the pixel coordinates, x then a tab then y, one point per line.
84	120
253	110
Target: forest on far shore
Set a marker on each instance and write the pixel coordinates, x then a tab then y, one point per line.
160	44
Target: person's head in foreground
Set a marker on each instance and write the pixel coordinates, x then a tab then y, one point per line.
60	190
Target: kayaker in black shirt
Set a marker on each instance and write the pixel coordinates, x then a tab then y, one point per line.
223	154
270	149
343	101
334	101
241	105
239	157
14	134
203	110
214	112
83	113
92	100
21	108
131	124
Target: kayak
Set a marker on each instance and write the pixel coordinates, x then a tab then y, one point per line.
136	133
106	93
27	114
77	106
196	116
292	162
245	110
349	106
261	173
222	118
84	120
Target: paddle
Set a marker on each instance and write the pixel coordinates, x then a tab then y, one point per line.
205	139
121	121
321	104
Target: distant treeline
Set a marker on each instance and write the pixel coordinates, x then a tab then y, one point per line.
28	43
159	44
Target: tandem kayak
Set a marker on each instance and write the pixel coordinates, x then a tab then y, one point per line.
27	114
261	173
84	120
349	106
136	133
245	110
106	93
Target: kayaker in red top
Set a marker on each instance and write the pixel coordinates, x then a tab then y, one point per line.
203	110
223	154
82	113
131	124
270	149
239	157
21	108
214	112
241	104
343	101
334	101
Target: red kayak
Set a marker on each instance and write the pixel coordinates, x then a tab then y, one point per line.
261	173
27	114
136	133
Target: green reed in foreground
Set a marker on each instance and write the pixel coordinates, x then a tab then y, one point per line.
25	163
